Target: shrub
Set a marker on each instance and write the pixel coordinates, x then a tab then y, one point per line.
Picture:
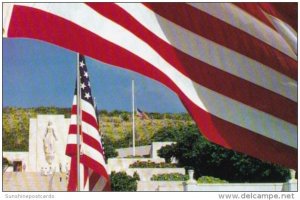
210	179
5	161
136	176
170	177
149	164
138	156
165	134
110	151
120	181
167	152
124	117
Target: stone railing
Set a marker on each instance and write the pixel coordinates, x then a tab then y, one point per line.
192	185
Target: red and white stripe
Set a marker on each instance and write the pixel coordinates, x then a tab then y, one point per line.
93	170
234	69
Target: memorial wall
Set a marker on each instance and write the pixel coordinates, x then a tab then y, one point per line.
47	145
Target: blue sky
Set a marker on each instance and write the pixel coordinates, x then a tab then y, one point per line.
40	74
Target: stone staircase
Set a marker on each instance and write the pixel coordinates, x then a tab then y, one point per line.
31	181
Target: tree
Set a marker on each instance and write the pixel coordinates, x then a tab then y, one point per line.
120	181
5	161
192	150
110	151
115	113
155	115
103	112
124	116
165	134
167	153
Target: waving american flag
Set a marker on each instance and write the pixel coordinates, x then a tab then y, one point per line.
233	65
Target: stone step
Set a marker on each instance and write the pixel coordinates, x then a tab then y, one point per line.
146	173
30	181
160	186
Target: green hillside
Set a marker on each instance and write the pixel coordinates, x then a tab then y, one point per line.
116	126
191	150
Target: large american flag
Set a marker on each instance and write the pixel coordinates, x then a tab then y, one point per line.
233	65
93	172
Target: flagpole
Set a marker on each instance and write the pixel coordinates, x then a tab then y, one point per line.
133	122
78	122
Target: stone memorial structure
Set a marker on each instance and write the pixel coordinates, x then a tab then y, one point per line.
47	145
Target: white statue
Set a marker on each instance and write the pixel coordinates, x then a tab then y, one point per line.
49	143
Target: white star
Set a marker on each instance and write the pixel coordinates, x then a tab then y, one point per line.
81	64
83	86
86	74
87	95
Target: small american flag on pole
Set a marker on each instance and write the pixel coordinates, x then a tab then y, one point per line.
93	173
141	114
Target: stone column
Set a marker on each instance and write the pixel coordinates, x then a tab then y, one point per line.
191	177
191	184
